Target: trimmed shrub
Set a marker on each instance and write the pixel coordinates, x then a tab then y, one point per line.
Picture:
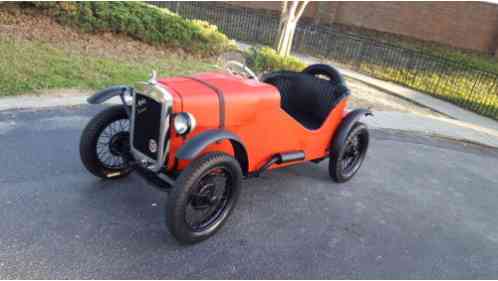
141	21
266	59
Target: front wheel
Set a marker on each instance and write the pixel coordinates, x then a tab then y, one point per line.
105	144
344	164
203	197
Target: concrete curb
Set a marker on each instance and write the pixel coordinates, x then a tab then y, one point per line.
46	101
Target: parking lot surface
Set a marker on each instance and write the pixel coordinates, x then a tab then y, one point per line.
419	208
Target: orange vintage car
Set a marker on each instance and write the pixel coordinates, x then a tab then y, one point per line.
199	136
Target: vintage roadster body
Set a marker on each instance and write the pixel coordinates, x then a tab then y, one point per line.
199	136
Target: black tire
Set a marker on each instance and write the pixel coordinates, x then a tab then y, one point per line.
88	144
187	189
338	171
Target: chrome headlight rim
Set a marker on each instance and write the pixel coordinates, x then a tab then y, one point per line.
184	123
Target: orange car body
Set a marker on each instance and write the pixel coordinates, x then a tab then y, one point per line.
199	136
252	112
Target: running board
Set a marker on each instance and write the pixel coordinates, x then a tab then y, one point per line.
281	158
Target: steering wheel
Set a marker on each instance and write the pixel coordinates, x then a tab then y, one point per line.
236	68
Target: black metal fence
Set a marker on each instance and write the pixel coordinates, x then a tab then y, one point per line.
468	87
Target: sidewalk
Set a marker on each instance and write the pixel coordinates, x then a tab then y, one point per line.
61	98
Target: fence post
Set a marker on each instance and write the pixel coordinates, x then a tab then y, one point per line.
299	33
476	82
411	67
357	64
177	8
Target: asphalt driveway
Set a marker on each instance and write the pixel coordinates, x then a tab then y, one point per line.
419	208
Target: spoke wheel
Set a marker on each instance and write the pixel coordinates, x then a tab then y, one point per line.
113	144
347	161
105	143
203	197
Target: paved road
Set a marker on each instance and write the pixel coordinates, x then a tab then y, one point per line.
419	208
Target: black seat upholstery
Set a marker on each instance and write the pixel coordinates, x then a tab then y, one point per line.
307	98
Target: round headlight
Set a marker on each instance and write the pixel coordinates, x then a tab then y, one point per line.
184	123
128	99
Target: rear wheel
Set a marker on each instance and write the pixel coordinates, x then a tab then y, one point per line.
203	197
344	165
105	143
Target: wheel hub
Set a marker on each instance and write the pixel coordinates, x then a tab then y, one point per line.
120	143
352	154
204	198
208	200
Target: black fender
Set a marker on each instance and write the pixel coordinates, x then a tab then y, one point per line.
103	95
346	125
198	143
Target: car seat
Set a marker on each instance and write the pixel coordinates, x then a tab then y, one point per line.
305	96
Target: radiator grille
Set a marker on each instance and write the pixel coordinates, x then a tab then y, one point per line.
147	124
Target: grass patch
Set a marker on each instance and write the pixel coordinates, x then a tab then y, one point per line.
466	58
28	66
477	92
469	59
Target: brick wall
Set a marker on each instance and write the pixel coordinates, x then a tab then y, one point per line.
466	25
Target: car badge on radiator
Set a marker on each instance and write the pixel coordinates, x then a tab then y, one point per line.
141	102
152	146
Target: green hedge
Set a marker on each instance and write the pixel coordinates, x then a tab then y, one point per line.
266	59
141	21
